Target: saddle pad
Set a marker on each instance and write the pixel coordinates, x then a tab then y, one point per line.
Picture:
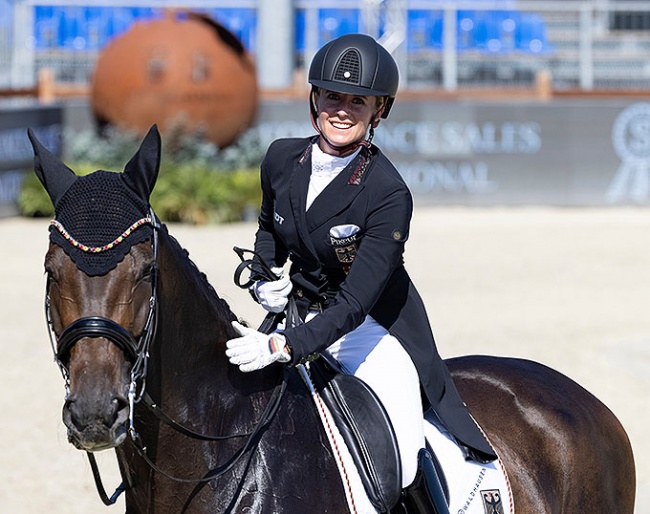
474	488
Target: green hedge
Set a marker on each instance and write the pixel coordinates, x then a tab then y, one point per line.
197	183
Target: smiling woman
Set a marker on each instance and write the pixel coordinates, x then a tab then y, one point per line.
338	210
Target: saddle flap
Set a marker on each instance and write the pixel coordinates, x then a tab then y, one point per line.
366	429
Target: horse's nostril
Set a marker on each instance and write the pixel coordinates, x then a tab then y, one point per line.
73	415
118	404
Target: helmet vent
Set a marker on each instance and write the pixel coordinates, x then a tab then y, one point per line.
348	69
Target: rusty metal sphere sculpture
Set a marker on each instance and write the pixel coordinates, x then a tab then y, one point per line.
184	72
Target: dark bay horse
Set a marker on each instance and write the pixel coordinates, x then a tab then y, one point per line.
140	336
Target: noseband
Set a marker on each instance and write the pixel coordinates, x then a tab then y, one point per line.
96	326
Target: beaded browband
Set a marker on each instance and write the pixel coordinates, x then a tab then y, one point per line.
98	249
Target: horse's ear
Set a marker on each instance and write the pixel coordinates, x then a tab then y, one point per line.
142	170
55	176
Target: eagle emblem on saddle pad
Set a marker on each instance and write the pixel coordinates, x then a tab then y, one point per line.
492	503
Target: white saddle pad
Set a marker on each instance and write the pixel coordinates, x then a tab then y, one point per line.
474	488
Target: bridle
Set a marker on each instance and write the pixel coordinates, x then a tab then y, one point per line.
137	352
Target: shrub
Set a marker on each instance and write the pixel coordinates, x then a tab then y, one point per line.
197	182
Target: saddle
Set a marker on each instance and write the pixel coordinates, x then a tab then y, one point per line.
366	429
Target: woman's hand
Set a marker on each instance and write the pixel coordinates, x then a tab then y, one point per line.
255	350
273	295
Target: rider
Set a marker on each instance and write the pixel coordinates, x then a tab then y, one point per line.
337	208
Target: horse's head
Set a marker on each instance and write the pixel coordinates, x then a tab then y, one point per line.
101	286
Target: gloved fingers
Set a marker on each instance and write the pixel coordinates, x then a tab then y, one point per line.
247	367
276	306
263	361
282	286
240	347
278	271
241	330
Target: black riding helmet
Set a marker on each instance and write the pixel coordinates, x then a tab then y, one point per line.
356	64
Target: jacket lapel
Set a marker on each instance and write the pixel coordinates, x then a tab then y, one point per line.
298	188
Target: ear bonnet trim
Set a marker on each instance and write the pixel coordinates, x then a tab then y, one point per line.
97	249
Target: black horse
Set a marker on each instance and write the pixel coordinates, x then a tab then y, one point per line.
140	337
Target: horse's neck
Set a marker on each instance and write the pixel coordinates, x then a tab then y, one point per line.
194	322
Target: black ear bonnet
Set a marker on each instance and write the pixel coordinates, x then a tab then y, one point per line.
95	211
99	217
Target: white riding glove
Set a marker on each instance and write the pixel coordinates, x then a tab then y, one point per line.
255	350
273	295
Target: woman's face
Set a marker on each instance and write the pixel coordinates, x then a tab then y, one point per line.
344	119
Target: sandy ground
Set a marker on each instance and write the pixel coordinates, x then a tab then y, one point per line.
569	288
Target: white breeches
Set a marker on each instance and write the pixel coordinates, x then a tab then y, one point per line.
370	353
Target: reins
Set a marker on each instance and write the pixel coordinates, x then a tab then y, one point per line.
138	353
264	421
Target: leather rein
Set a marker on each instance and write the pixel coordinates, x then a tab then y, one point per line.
137	352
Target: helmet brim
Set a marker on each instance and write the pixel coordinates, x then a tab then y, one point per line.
345	88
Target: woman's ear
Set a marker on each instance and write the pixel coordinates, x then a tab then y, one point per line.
315	94
377	117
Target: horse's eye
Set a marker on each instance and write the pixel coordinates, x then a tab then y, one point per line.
51	275
147	273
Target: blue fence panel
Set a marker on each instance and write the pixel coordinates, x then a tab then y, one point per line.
6	14
118	20
83	28
77	28
333	23
495	32
45	27
424	30
501	31
530	35
466	29
299	35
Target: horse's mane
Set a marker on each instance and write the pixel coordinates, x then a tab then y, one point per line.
201	280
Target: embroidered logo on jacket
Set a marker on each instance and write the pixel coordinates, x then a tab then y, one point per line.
279	219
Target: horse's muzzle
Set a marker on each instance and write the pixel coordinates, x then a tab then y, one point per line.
96	429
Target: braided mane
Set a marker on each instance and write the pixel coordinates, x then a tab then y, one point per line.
202	282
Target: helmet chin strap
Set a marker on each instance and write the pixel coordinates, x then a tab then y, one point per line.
342	150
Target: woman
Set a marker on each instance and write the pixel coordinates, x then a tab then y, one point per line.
337	208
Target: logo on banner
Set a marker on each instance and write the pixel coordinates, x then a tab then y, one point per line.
631	140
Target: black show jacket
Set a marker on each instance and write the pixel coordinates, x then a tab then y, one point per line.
371	194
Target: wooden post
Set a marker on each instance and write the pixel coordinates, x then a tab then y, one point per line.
45	87
544	85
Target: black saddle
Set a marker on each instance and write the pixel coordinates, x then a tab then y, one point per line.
366	429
